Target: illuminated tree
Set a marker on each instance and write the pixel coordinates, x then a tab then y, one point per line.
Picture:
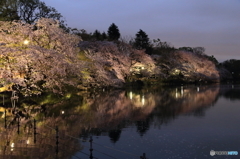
35	57
111	64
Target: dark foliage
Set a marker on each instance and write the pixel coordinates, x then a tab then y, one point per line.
161	48
28	11
141	42
113	32
8	10
233	65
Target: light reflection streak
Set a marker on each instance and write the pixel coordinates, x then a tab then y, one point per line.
176	93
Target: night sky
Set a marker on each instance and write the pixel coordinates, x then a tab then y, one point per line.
213	24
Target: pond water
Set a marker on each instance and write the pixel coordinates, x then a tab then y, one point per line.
169	122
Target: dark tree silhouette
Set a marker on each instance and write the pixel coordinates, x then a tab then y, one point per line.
114	135
161	47
28	11
104	36
142	126
8	10
32	10
97	35
142	42
113	32
232	66
82	33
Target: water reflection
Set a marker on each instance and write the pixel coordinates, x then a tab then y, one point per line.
22	137
81	115
231	92
118	109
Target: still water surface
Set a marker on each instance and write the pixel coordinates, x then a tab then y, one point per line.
164	123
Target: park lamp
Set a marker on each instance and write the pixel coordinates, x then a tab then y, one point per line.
26	42
12	146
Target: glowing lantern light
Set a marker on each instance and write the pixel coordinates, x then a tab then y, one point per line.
25	42
131	95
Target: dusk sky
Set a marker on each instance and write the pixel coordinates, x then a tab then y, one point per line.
212	24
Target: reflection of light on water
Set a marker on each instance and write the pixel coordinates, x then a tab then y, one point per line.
130	95
181	90
143	100
176	93
198	89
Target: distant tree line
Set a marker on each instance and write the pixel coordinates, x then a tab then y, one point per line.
30	11
200	51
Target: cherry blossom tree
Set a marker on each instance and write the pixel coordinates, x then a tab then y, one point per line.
37	57
111	63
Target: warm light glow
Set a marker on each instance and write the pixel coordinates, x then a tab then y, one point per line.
176	93
12	145
143	100
198	89
63	112
131	95
25	42
68	95
28	141
142	68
